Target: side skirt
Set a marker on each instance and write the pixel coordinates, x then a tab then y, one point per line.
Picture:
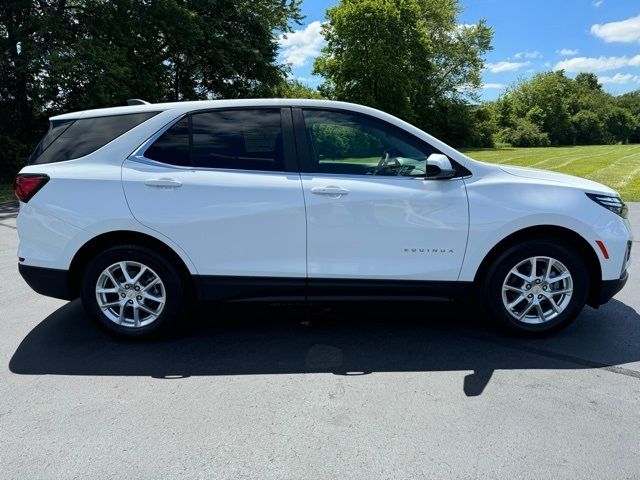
233	288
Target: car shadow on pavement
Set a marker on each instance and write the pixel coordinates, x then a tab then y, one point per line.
343	339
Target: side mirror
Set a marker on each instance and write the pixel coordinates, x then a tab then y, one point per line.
439	167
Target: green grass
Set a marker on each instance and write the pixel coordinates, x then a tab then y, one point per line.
617	166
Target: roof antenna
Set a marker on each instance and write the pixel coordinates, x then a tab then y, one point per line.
136	101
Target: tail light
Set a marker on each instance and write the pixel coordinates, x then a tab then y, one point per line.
26	185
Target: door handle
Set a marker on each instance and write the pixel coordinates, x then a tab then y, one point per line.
163	183
334	192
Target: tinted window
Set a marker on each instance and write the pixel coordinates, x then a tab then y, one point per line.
85	136
358	145
55	129
238	139
172	146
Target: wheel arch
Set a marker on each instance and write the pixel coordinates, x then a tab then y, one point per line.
123	237
551	232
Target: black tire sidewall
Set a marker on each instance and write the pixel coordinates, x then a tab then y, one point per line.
173	284
491	291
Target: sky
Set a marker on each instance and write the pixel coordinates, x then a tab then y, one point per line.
598	36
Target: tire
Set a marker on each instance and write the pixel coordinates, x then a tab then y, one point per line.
158	295
503	286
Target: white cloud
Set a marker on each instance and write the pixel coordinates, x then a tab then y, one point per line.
597	3
620	79
493	86
567	52
625	31
506	66
595	65
534	54
300	46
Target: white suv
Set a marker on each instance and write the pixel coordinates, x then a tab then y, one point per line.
141	210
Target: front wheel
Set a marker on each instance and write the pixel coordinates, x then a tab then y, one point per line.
132	291
535	287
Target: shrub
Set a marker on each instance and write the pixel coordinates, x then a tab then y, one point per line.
524	134
588	128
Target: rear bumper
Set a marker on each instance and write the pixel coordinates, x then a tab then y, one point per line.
47	281
608	288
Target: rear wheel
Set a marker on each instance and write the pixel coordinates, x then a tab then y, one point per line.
535	287
132	291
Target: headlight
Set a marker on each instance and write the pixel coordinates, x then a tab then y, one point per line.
615	204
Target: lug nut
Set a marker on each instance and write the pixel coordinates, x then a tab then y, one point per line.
130	301
139	297
539	297
528	286
127	287
537	280
137	288
530	296
122	295
544	287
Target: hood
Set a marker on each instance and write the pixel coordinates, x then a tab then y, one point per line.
547	176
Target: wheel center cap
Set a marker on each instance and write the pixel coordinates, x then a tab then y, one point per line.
537	289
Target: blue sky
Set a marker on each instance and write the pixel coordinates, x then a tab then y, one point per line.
599	36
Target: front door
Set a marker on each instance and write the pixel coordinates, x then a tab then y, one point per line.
371	214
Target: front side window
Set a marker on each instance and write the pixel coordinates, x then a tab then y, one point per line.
77	138
230	139
351	144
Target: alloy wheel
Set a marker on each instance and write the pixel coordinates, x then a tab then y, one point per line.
130	294
537	290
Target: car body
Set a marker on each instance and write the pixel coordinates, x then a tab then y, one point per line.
286	199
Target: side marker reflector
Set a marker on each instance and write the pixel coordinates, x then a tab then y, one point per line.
605	254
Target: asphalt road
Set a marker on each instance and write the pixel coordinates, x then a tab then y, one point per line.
362	391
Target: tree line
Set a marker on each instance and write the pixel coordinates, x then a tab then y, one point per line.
410	58
65	55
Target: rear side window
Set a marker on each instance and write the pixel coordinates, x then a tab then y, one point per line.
238	139
172	146
83	136
231	139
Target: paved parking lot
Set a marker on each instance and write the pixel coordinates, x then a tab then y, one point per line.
347	391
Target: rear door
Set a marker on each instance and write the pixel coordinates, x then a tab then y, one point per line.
224	185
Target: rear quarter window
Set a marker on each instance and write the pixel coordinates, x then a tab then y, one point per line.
75	139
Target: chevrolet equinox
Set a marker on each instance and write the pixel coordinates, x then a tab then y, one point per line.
143	209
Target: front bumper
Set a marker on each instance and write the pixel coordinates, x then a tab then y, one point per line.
47	281
608	288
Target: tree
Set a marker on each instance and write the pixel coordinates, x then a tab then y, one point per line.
295	89
410	58
61	55
569	111
589	129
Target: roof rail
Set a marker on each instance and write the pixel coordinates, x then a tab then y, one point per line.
136	101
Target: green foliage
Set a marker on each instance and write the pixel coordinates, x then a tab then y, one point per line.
569	111
524	133
631	102
407	57
63	55
620	124
295	89
338	141
588	128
